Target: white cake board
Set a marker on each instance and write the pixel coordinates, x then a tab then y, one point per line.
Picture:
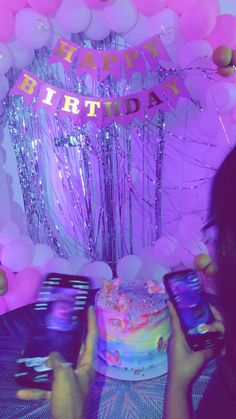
131	375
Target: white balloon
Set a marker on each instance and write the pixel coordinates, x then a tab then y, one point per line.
185	256
58	33
32	29
77	263
190	228
98	28
73	16
42	253
188	250
197	85
209	123
121	16
26	240
195	54
4	87
164	250
22	56
5	59
17	255
221	96
58	265
154	272
165	23
9	233
139	33
128	267
97	271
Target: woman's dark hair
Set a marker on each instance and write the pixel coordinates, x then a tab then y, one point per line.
222	214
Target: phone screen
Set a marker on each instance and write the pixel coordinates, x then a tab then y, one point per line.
192	307
59	325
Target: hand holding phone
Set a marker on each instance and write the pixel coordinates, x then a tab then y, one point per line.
70	387
60	322
185	364
194	313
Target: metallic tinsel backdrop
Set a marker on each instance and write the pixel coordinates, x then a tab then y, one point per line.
89	190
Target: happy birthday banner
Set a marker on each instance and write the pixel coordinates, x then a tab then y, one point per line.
82	109
101	64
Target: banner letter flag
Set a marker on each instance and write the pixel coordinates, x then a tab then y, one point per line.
154	51
26	85
109	64
88	62
49	97
133	61
65	52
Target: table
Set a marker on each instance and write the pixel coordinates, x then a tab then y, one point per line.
109	398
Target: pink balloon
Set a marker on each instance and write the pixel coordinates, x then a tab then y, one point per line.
99	4
25	288
215	5
198	20
224	32
14	5
7	23
10	276
44	6
150	7
178	6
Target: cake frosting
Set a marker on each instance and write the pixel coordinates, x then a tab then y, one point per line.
133	324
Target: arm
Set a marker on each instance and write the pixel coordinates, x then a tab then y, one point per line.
177	401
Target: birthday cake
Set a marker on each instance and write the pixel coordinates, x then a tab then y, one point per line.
133	324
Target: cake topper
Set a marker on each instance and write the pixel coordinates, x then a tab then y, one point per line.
111	285
153	287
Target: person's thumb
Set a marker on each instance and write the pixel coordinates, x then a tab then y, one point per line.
57	362
217	326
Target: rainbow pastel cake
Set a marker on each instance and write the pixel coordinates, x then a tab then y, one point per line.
133	324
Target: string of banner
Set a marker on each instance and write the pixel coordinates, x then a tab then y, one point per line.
100	64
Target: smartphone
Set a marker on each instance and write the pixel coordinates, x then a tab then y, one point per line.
60	324
186	294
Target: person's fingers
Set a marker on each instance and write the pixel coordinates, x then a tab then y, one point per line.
216	313
33	394
217	326
58	364
175	323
